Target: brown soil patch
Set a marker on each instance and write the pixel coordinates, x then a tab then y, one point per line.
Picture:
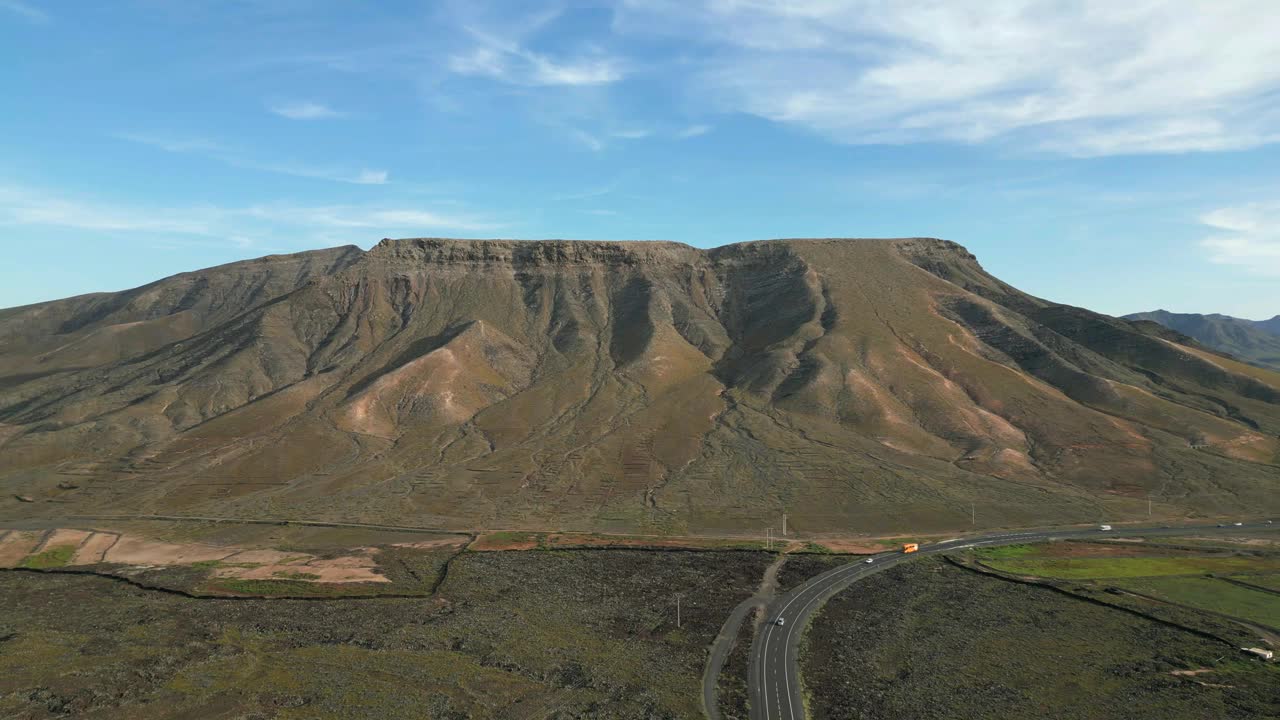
138	551
266	557
428	544
345	574
65	536
17	545
1255	542
344	569
93	549
852	547
358	565
622	541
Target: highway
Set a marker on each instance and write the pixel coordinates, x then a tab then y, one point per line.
774	673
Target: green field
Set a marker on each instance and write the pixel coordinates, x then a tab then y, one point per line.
1129	567
1271	581
1213	595
1005	552
54	557
1173	573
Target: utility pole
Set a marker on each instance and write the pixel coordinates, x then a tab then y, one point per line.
973	514
678	609
784	524
768	539
1148	505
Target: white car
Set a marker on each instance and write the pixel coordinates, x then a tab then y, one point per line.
869	560
780	622
1239	524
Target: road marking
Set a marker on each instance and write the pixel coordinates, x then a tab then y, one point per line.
818	585
764	685
823	583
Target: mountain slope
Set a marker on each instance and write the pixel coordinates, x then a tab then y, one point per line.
1254	341
857	385
96	329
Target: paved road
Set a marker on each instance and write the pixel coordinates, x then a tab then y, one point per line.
774	674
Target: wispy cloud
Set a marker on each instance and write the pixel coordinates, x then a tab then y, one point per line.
230	156
515	65
1245	235
593	192
693	131
591	142
24	207
26	10
304	111
387	219
232	225
1083	78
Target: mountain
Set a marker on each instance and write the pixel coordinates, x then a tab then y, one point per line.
856	385
1254	341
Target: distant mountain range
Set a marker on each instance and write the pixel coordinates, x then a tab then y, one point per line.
856	385
1254	341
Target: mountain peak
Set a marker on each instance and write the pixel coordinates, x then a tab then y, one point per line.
623	386
1254	341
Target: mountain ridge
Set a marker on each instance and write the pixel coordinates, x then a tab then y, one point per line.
601	385
1254	341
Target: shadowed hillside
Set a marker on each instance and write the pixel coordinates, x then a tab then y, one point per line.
857	385
1254	341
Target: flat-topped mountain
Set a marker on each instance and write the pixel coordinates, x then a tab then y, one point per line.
856	385
1254	341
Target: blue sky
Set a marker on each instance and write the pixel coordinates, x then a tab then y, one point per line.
1119	156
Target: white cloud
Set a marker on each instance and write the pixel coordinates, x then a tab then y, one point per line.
304	111
481	61
592	71
1245	235
385	220
26	10
23	207
1093	77
172	144
591	142
235	158
235	225
693	131
509	62
371	177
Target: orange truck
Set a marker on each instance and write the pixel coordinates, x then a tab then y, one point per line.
910	547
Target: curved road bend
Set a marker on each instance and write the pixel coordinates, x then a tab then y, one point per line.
773	679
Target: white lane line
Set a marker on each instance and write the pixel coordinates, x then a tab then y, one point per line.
786	666
764	661
833	581
824	582
777	701
764	668
819	588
